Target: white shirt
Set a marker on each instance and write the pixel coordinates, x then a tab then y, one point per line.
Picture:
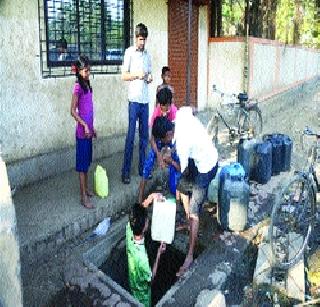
137	61
193	141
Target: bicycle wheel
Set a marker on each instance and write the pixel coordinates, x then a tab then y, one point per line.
292	221
251	121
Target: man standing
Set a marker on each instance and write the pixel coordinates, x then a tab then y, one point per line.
137	70
199	163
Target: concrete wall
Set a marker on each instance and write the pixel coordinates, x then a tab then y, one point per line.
10	282
275	67
203	57
225	67
35	117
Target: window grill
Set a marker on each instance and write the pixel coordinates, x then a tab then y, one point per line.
99	29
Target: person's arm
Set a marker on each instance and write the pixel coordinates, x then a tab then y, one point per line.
130	76
141	191
161	249
149	78
158	153
146	203
75	115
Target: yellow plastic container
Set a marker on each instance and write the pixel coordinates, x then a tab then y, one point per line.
100	182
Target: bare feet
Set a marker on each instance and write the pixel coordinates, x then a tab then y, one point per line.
187	263
85	202
89	193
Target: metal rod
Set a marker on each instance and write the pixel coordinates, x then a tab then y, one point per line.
188	102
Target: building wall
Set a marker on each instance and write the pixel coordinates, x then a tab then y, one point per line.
225	68
35	112
275	67
203	57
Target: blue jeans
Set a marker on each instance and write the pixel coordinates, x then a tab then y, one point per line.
137	111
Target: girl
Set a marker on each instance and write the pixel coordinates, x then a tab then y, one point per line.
82	112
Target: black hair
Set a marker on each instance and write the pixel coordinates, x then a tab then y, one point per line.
164	96
62	43
141	30
81	63
165	69
137	219
161	126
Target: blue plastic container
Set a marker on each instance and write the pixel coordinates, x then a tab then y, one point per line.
276	155
286	153
281	158
246	156
263	169
233	198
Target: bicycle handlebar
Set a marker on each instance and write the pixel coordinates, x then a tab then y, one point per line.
238	99
308	131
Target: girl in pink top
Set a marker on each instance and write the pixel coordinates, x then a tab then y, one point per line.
82	112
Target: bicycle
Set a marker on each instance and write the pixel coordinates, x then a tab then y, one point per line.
248	116
294	212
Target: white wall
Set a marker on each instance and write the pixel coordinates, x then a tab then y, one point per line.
277	67
203	57
225	69
35	116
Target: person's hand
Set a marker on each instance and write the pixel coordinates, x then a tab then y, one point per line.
140	75
150	199
149	78
168	160
94	133
162	248
86	131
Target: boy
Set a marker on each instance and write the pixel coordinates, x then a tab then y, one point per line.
165	108
198	159
137	70
162	131
140	275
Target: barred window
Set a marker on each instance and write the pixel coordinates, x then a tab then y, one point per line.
99	29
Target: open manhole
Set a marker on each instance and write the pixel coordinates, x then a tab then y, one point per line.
116	266
109	256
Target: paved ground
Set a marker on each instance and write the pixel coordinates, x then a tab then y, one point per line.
49	218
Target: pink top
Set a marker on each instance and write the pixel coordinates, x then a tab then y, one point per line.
85	110
171	114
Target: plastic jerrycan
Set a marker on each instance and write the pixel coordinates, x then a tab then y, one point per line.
163	220
214	184
276	154
263	162
233	198
287	145
246	155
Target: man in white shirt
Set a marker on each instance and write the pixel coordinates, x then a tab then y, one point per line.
137	70
199	163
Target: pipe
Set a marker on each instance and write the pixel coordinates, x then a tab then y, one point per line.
188	102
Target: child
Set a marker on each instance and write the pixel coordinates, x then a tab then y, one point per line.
166	78
162	132
164	108
82	112
140	275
